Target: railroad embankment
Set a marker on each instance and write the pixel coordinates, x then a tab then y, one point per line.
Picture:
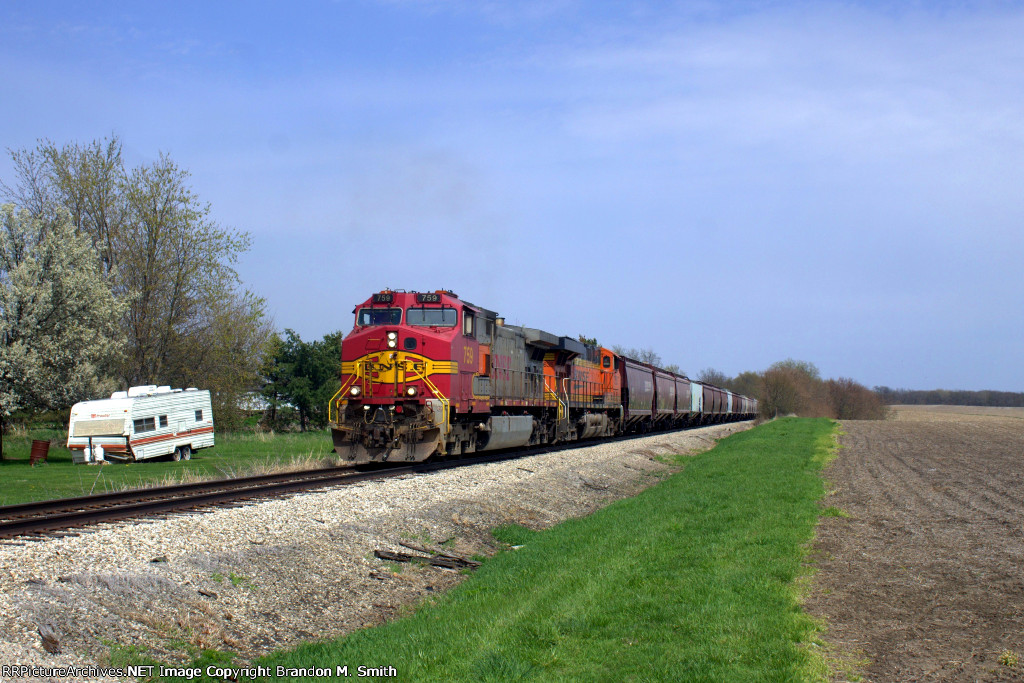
695	578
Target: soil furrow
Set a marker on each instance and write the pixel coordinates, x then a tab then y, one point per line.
923	581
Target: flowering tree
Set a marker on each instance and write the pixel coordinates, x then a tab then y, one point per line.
58	317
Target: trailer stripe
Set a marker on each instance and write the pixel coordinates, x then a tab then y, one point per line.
163	437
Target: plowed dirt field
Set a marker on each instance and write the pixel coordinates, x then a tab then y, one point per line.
925	578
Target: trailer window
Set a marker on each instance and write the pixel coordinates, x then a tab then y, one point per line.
144	424
199	416
163	421
432	317
379	316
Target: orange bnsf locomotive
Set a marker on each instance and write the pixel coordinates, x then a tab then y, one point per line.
425	373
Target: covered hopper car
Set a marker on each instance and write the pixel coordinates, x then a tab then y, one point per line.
426	373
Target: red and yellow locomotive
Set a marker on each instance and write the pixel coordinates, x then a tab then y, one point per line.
426	373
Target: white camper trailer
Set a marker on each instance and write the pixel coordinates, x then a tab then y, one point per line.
141	423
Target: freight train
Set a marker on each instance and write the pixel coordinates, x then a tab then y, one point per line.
427	374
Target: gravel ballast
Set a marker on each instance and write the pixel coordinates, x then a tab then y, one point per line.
267	575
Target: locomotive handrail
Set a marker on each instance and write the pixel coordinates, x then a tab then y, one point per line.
445	403
335	401
357	374
520	385
563	408
583	393
331	403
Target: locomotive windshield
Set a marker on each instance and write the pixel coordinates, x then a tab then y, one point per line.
379	316
432	317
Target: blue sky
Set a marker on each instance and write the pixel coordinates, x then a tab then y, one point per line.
730	184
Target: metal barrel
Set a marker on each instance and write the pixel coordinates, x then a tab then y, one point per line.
40	449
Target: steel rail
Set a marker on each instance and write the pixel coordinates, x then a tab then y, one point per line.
70	504
142	506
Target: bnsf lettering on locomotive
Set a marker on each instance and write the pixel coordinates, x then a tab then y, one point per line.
502	365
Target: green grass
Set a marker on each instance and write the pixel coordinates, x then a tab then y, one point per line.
695	579
234	455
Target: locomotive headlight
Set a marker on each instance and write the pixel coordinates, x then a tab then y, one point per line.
410	391
392	339
355	391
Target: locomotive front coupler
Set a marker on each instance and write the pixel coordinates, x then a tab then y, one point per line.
382	415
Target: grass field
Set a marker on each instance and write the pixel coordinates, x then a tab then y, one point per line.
235	454
694	579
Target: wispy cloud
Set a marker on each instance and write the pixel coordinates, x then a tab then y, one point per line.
823	78
856	164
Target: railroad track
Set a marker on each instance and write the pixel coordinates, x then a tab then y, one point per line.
42	518
49	517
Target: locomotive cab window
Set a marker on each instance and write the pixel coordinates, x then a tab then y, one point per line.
379	316
468	320
432	317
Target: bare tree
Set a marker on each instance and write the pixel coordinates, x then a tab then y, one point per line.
850	400
32	190
747	383
89	181
712	376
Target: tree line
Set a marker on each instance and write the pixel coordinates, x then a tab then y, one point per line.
1009	399
797	387
793	387
113	276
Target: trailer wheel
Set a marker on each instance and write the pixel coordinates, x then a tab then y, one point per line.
186	452
176	455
